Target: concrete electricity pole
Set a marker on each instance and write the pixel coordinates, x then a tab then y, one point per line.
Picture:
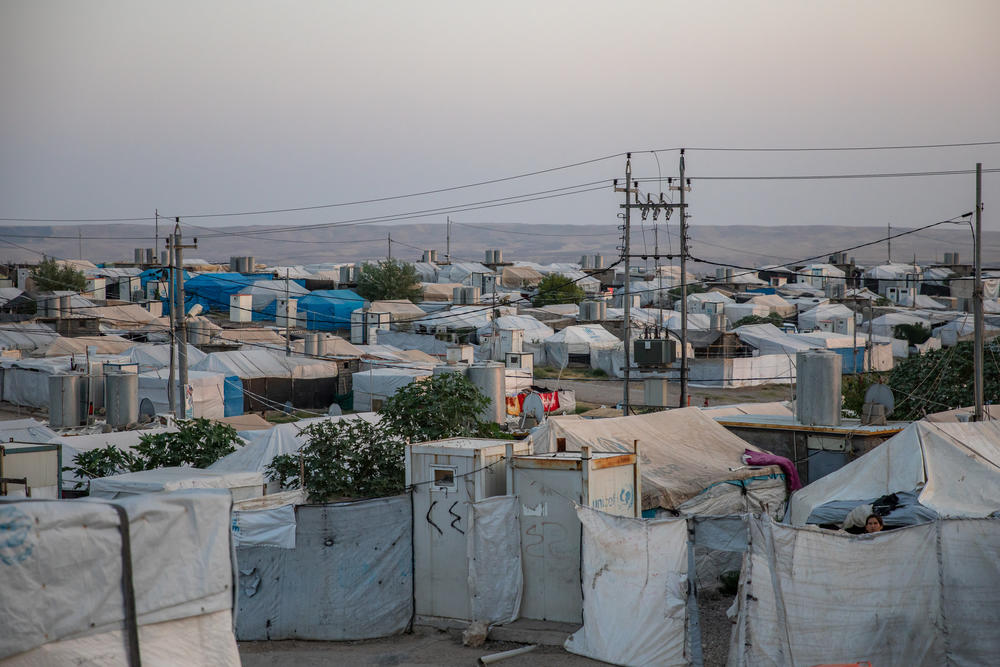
977	296
180	319
684	303
627	293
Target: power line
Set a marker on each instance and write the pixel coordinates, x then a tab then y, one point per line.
821	177
845	148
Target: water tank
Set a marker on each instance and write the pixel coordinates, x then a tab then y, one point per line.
498	256
588	311
234	264
489	257
150	255
251	264
122	398
347	273
199	332
65	304
139	255
66	407
598	262
470	295
163	258
313	343
717	322
818	387
586	262
602	310
488	376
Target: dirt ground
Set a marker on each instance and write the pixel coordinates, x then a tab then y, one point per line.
424	647
427	646
609	392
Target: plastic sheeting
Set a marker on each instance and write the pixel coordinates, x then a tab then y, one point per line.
207	388
381	383
153	357
534	331
577	340
174	479
328	310
268	527
634	605
494	547
265	363
923	595
686	457
63	574
361	554
955	467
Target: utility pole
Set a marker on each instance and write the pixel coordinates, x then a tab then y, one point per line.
447	247
156	234
684	290
181	318
888	242
627	304
172	311
288	320
389	236
79	238
977	296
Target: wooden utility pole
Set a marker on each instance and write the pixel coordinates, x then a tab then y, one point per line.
977	296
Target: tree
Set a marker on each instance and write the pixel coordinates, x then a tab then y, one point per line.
772	318
853	389
389	279
442	406
557	288
941	379
353	458
914	334
103	462
197	442
50	276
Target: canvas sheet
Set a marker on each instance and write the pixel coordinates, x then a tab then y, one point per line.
683	452
350	575
61	564
495	575
634	605
272	527
196	641
954	466
922	595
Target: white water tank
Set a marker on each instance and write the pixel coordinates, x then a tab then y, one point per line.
66	403
488	376
817	384
285	311
598	262
199	332
121	398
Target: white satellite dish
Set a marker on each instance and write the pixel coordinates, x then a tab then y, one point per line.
880	394
533	408
334	410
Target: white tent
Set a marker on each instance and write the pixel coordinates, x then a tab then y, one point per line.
61	602
769	339
247	364
206	388
150	357
828	317
690	463
577	340
242	484
373	386
953	467
534	331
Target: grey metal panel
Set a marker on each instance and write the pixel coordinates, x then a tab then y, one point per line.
349	576
822	463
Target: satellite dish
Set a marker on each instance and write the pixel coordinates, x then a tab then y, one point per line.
146	408
334	410
533	408
881	394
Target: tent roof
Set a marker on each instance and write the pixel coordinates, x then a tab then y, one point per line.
172	479
592	334
438	291
401	309
61	347
955	467
264	363
684	451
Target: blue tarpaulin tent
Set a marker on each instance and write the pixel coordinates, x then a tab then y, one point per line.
232	396
329	309
212	290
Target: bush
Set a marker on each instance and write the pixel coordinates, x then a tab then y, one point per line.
556	288
389	279
941	379
103	462
772	318
914	334
50	276
197	442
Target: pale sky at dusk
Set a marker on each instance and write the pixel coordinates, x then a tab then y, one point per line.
113	109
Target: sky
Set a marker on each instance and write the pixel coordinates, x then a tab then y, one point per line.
120	109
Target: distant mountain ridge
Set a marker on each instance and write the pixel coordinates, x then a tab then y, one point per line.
739	245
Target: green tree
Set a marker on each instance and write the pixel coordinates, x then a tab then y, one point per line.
353	458
50	276
103	462
557	288
442	406
347	458
853	389
941	379
389	279
197	442
914	334
772	318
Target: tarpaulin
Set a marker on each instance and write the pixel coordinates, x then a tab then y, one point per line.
921	595
767	459
272	527
634	590
350	575
62	575
494	547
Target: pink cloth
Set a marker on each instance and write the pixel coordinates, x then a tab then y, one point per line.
764	459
